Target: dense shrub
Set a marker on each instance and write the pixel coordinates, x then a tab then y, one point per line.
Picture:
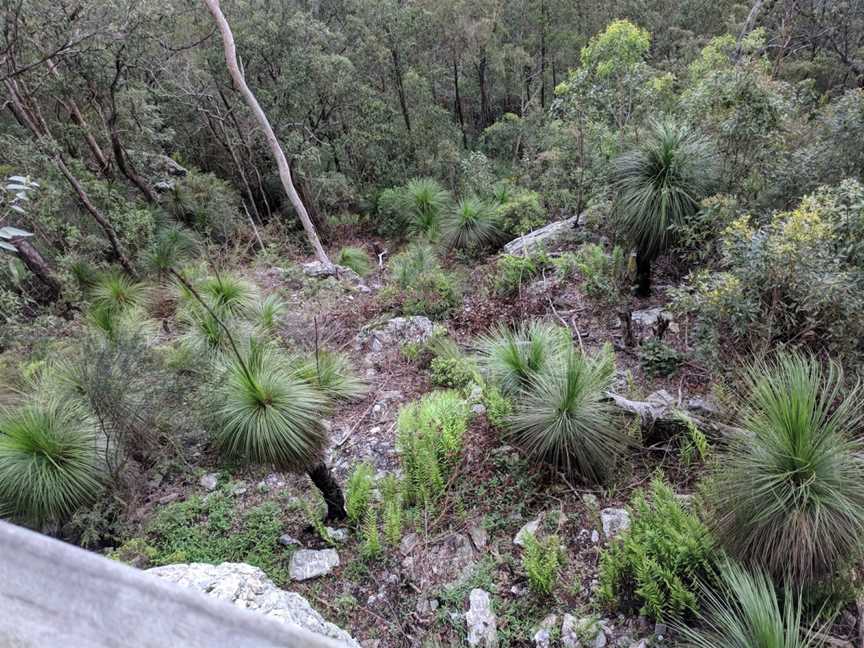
542	561
604	276
789	492
206	203
358	492
512	272
415	208
452	371
658	358
429	440
562	417
656	565
519	213
420	286
355	258
792	280
49	465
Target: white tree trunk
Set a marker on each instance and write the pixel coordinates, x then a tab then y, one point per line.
275	147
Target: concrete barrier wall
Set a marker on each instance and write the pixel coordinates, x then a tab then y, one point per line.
55	594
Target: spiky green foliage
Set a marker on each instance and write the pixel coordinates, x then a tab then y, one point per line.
417	260
116	292
542	561
268	415
562	417
358	492
471	225
228	295
355	258
267	312
790	495
49	464
391	500
513	356
745	613
512	271
429	440
657	563
171	246
115	324
371	538
660	183
424	201
332	373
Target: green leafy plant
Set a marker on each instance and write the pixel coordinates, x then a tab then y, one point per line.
266	313
114	292
658	358
659	184
355	258
512	271
563	419
49	466
332	373
371	538
391	500
498	407
604	275
745	611
789	496
420	285
455	372
358	492
471	226
228	295
511	357
657	564
542	561
171	246
518	212
429	440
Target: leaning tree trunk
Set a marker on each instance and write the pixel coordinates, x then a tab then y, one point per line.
324	481
37	264
275	147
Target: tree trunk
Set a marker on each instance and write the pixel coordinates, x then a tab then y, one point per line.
324	481
37	264
643	275
458	102
264	123
126	168
485	113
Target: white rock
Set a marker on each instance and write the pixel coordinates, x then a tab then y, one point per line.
209	481
569	634
478	536
614	521
543	636
248	587
311	563
482	627
550	232
531	528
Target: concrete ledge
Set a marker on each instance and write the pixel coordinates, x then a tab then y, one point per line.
56	594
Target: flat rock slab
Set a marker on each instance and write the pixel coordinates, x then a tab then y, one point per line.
547	234
312	563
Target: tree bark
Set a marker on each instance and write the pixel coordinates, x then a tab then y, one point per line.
458	102
264	123
324	481
37	264
643	275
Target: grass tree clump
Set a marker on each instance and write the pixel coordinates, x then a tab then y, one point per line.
472	226
747	613
513	356
358	492
264	413
49	466
429	440
267	312
789	497
332	374
658	186
563	419
355	258
424	201
171	247
115	292
228	295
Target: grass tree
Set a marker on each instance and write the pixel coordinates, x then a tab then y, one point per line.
789	496
471	225
265	413
658	185
424	201
49	466
562	418
746	613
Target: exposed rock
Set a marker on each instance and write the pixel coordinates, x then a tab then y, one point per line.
209	481
590	500
478	535
482	627
614	521
248	587
288	540
648	317
569	635
595	537
531	528
338	535
426	606
239	489
445	562
547	234
478	409
311	563
639	644
408	542
572	629
395	333
543	636
170	166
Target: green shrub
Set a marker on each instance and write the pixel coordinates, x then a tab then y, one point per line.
416	207
371	539
520	213
563	418
746	611
228	295
511	357
498	408
512	271
657	563
355	258
429	440
49	466
455	372
542	560
358	492
657	358
419	285
789	492
206	203
393	521
171	246
471	226
604	276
